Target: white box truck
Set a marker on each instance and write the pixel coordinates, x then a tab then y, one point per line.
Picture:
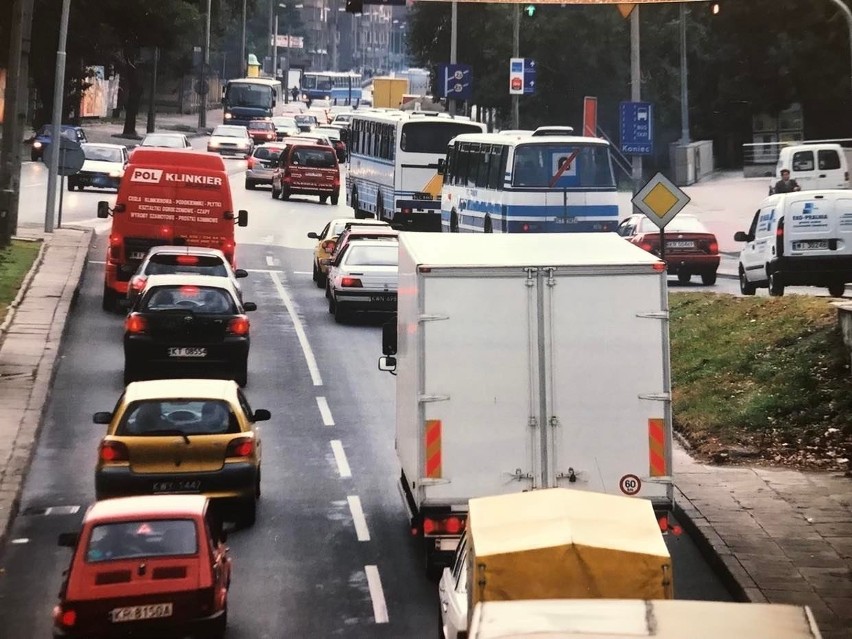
522	362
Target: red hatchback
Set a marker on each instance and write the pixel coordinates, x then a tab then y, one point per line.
262	131
690	248
154	566
307	169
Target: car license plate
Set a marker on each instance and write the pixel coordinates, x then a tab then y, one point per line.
177	486
677	244
137	255
388	297
187	351
140	613
809	245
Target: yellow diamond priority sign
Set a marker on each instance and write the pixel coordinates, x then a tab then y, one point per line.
660	200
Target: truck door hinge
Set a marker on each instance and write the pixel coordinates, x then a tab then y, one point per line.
571	476
432	318
531	273
533	422
551	278
663	315
423	399
554	421
519	475
656	397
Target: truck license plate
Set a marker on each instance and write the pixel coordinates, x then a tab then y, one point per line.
137	255
140	613
810	245
187	351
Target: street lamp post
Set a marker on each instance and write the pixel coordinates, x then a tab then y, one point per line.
243	44
847	12
58	94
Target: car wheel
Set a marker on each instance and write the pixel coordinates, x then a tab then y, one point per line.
331	304
335	199
746	287
340	313
247	513
250	185
315	274
776	286
322	279
241	374
683	277
276	193
71	185
836	289
323	199
109	303
708	279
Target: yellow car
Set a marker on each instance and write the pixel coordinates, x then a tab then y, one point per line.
327	238
182	436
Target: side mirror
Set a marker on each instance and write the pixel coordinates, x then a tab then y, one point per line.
313	235
102	417
741	236
240	273
242	218
103	209
261	415
387	364
68	539
389	337
249	307
441	165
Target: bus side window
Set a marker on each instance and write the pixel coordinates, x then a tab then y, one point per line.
484	166
474	160
461	168
495	172
392	142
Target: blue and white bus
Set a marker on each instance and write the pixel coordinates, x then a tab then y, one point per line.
497	183
393	164
247	99
342	88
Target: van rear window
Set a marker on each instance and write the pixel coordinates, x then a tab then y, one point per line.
314	158
828	160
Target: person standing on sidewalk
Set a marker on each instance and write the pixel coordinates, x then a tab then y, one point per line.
786	184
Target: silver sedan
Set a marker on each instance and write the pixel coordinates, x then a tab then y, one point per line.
364	278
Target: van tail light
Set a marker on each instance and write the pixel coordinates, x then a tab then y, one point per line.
135	324
351	282
239	325
779	238
452	525
112	451
65	617
336	181
250	163
228	250
114	246
240	447
138	283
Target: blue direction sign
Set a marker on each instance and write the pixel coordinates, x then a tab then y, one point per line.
529	76
455	81
637	128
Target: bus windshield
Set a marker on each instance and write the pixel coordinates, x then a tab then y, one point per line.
249	95
432	137
319	82
563	165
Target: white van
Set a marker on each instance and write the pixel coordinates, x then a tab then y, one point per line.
814	166
802	238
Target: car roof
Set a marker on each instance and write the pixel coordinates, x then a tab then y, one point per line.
103	145
165	134
356	230
313	147
171	249
185	279
374	241
181	389
146	507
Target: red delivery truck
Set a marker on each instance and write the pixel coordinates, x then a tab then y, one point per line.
167	197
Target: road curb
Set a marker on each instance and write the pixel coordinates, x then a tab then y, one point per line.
32	420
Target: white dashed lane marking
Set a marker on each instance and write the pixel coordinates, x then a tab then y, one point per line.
358	518
340	458
374	583
325	411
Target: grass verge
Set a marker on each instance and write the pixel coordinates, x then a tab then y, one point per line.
15	261
761	377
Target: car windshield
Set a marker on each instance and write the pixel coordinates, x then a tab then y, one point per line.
559	165
230	131
170	141
249	95
168	263
203	300
305	119
153	417
360	255
314	158
283	122
142	538
101	153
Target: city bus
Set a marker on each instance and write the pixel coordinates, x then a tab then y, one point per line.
247	99
393	164
497	183
342	88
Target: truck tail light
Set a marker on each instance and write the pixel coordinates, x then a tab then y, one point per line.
114	246
135	324
351	282
779	238
111	451
336	182
452	525
65	617
240	447
239	325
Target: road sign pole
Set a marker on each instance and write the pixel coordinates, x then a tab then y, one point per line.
635	88
454	35
663	243
516	52
61	197
205	61
58	94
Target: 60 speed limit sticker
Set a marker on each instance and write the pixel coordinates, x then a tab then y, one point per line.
630	484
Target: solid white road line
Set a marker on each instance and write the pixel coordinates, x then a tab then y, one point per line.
300	330
302	273
340	458
374	582
325	411
361	530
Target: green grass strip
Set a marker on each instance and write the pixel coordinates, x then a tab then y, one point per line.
15	261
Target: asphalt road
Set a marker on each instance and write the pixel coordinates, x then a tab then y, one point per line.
330	554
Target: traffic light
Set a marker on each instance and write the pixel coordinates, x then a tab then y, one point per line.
529	10
354	6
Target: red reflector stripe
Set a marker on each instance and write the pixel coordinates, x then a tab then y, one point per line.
657	447
433	448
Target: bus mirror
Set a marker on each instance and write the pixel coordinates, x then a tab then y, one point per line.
389	337
242	217
441	165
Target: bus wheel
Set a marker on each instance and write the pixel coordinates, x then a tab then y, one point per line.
488	227
355	204
380	207
454	222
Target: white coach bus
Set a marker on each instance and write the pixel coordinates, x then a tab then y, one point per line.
393	165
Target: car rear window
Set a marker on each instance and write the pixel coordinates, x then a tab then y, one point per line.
101	153
680	224
154	418
168	263
373	255
261	126
314	158
142	538
263	153
204	300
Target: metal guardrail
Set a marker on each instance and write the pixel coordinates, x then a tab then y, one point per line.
759	153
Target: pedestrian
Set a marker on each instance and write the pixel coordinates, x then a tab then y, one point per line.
786	184
295	93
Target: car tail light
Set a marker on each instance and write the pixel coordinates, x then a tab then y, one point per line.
67	617
111	451
135	324
779	238
138	283
646	246
350	282
239	325
250	163
328	245
187	260
714	247
240	447
406	211
115	246
453	525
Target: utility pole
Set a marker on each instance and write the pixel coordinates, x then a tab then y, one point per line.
243	44
275	49
151	122
454	37
271	48
14	118
58	94
847	13
516	53
202	82
684	80
635	88
333	29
